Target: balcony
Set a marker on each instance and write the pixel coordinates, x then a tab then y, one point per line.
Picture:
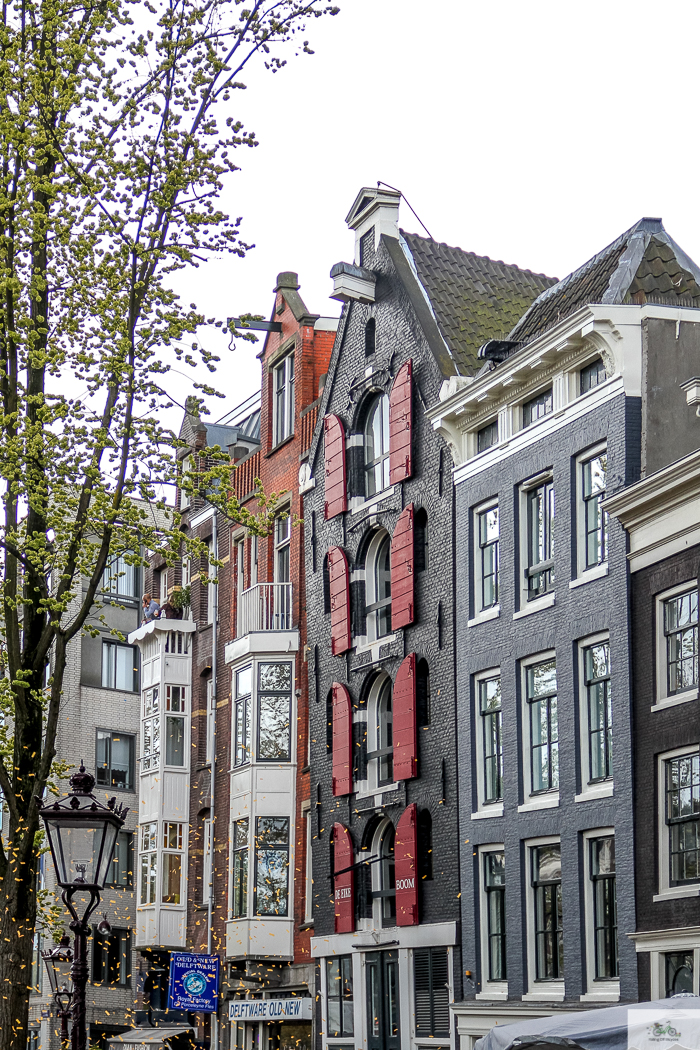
264	622
265	607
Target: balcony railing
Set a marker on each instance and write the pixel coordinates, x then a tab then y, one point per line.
265	607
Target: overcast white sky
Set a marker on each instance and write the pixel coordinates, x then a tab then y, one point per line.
533	132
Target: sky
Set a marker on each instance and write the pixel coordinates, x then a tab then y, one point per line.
532	132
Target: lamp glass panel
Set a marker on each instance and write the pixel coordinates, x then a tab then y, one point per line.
82	847
58	969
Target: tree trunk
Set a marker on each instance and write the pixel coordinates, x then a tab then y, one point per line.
17	921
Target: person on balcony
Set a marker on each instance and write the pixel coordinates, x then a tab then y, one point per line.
151	609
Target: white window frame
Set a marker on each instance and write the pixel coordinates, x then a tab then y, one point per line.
584	575
210	724
308	874
207	830
187	466
148	847
283	428
282	536
538	991
178	851
545	601
211	586
482	614
661	942
547	799
597	990
483	808
384	827
663	699
605	788
183	715
367	716
665	890
231	865
380	536
497	990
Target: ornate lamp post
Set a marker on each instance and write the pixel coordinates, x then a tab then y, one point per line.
82	834
58	962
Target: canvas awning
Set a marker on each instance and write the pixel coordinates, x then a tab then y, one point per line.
660	1025
165	1038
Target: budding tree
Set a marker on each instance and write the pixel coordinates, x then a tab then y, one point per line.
115	139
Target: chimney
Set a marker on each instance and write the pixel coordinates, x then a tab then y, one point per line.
374	207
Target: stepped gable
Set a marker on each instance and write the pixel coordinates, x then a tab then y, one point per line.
474	298
643	264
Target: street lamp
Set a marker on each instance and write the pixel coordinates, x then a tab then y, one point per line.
58	962
82	834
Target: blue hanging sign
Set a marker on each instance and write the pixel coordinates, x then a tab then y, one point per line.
194	982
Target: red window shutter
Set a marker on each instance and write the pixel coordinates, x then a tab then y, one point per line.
334	452
402	601
405	857
340	600
400	425
404	720
342	740
343	885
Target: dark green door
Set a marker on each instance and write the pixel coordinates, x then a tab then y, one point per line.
383	1031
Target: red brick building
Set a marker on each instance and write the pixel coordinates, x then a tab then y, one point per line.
249	798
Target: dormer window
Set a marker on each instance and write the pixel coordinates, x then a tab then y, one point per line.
377	447
538	406
487	436
283	384
593	375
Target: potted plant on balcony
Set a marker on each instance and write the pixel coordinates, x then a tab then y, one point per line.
179	600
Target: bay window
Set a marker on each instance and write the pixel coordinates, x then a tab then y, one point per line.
272	866
172	863
274	711
148	866
239	903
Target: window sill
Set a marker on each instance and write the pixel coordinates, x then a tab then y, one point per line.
588	575
485	615
596	791
496	991
494	810
603	992
364	646
364	504
280	444
675	700
549	801
674	893
545	602
550	992
306	925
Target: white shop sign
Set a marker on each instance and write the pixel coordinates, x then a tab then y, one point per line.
270	1010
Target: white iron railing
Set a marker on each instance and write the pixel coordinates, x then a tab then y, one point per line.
265	607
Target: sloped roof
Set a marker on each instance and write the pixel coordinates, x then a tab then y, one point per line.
473	298
643	263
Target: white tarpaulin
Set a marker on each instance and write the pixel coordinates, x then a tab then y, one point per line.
642	1026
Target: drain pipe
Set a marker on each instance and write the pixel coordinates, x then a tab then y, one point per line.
211	730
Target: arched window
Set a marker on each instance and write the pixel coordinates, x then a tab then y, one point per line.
420	533
422	694
425	844
384	878
370	337
384	752
377	446
378	586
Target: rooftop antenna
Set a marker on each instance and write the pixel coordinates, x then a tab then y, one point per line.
380	183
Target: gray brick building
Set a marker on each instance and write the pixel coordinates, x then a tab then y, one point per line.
379	515
99	725
662	517
580	400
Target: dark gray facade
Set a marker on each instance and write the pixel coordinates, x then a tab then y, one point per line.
598	607
406	323
592	370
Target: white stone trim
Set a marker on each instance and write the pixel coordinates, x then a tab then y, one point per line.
663	697
665	890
